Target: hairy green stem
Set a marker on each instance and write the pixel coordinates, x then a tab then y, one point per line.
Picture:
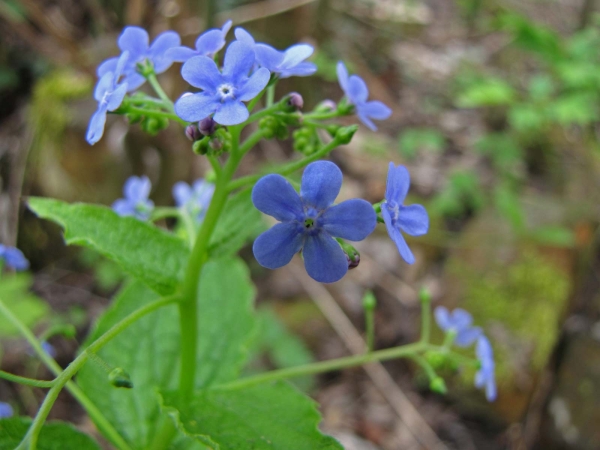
154	113
159	91
26	381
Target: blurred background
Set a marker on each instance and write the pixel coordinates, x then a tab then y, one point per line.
496	115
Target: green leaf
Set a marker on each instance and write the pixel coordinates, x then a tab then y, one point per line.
144	251
149	350
578	109
264	417
30	309
487	92
554	235
239	223
414	139
53	436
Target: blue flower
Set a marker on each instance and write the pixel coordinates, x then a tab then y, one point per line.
357	93
223	93
207	44
49	349
194	199
287	63
135	40
6	410
484	378
109	94
13	257
310	222
458	321
413	219
136	202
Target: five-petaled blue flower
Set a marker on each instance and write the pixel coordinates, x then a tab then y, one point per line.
287	63
13	257
194	199
412	220
109	94
357	94
207	44
136	202
458	321
485	378
310	221
223	93
136	41
6	410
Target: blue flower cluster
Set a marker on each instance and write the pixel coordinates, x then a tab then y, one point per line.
460	323
195	199
13	258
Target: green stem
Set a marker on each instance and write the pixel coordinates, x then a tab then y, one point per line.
154	113
145	101
251	141
286	169
263	113
370	328
159	91
26	381
425	366
270	95
326	366
164	213
214	162
322	115
425	318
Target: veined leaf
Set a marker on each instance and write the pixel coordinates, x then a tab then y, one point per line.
28	308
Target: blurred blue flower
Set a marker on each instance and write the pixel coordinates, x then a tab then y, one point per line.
194	199
357	93
485	378
13	257
223	93
49	349
207	44
136	41
109	94
458	321
310	221
136	203
287	63
412	220
6	410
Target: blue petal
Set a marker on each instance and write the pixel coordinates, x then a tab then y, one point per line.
14	258
376	110
117	96
195	107
158	50
352	219
6	410
398	182
461	319
256	83
295	55
134	81
342	74
357	89
135	40
245	37
364	118
239	59
96	126
465	338
484	350
203	191
274	195
121	64
182	192
397	237
137	188
491	392
304	69
181	53
276	247
324	259
123	207
231	112
269	57
211	41
202	72
442	318
321	184
104	86
413	220
109	65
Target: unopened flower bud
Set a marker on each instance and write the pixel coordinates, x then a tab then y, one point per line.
295	101
344	134
192	133
353	261
326	106
119	378
438	386
215	144
207	126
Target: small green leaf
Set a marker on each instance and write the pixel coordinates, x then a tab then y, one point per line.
487	92
264	417
144	251
578	109
554	235
54	435
29	309
149	350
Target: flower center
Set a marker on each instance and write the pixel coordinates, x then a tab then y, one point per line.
394	210
226	91
309	223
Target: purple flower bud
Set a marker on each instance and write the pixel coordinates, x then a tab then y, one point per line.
354	261
327	105
216	144
192	133
295	101
207	126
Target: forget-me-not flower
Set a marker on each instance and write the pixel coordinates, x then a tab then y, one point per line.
136	41
412	220
109	94
222	92
207	44
357	94
310	221
13	257
6	410
287	63
458	321
194	199
485	378
136	203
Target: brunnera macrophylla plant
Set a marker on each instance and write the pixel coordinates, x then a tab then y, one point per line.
163	367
